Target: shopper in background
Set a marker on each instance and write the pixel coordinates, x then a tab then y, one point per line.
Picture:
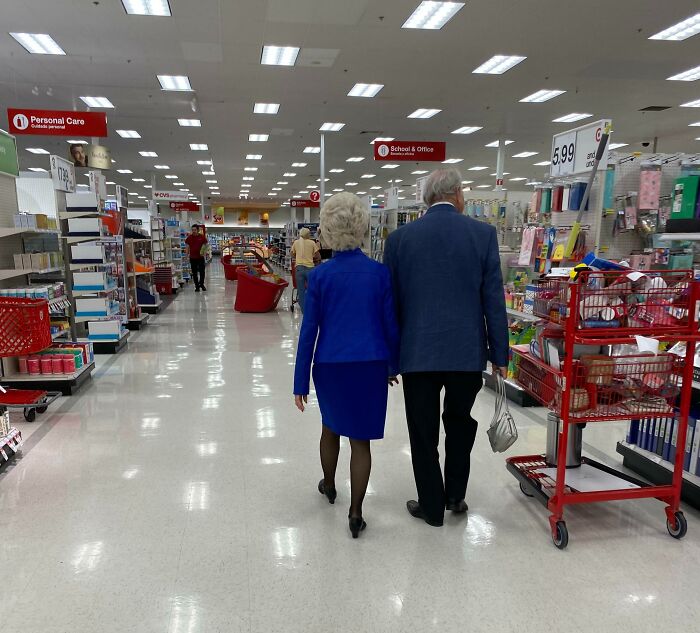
305	255
446	274
350	322
196	243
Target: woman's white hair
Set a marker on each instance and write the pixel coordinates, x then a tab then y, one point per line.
305	233
344	221
441	184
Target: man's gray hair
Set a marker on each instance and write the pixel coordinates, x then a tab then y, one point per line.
344	221
442	184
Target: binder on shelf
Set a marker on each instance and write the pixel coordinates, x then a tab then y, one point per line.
660	436
641	442
633	432
667	440
693	467
674	443
690	437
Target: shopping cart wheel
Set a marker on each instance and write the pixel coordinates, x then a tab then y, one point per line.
680	528
561	537
525	491
41	409
291	307
30	414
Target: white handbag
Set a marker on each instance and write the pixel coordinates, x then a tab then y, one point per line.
502	432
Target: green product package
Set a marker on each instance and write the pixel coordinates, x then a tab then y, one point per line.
685	197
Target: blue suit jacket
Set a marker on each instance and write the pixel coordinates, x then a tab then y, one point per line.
446	274
349	316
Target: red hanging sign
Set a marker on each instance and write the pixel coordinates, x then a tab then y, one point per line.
304	203
57	122
410	150
314	196
184	206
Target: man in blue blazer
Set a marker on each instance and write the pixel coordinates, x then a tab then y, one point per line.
446	275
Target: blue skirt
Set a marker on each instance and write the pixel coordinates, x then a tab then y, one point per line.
352	397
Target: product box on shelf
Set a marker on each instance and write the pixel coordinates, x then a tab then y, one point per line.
83	348
87	253
95	306
105	330
90	281
84	226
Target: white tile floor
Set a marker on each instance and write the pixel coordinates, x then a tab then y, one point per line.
177	494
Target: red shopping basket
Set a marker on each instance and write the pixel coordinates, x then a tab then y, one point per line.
24	326
254	294
231	270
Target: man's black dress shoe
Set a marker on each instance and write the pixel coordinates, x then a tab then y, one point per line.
458	507
416	511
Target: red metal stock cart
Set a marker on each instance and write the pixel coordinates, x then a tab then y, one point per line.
608	309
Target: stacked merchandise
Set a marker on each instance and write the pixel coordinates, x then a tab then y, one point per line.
58	360
158	240
186	267
174	252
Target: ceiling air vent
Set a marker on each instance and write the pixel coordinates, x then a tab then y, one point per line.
655	108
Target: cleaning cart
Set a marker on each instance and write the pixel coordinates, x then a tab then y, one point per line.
591	320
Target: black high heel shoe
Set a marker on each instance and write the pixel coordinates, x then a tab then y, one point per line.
331	493
357	524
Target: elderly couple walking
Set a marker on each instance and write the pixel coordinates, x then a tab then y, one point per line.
434	313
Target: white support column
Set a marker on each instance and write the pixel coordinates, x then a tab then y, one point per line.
322	188
500	164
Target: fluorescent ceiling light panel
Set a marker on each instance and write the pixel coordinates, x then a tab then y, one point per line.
365	90
171	177
423	113
689	75
350	184
505	173
332	127
279	55
178	83
467	129
681	31
467	182
571	118
495	143
517	179
212	182
368	176
382	139
97	102
418	172
204	162
299	164
617	145
125	171
542	95
452	161
432	15
355	159
289	174
138	180
37	150
250	169
76	142
179	184
248	178
375	188
199	147
498	64
477	168
543	163
38	43
324	180
338	190
335	171
525	154
312	150
38	169
390	166
149	154
483	186
245	184
285	182
162	166
147	7
122	133
258	138
277	189
213	187
266	108
253	156
696	124
208	173
189	122
214	193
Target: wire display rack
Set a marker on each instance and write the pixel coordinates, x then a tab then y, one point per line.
606	309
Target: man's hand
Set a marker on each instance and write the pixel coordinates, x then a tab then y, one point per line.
393	380
300	401
499	370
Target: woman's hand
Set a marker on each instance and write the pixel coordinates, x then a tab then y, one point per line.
393	380
300	401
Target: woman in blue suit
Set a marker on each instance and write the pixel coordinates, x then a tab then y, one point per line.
350	331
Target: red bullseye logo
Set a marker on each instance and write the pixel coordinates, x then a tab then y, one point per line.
598	134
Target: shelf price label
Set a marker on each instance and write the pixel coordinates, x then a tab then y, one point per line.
62	174
573	152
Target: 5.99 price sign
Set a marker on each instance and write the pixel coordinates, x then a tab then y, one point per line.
563	154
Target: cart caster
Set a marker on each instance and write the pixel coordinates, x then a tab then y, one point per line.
680	528
525	491
561	536
30	415
41	409
291	308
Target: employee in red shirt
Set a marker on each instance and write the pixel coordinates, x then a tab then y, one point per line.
195	241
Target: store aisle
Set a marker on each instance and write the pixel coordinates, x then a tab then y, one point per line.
177	494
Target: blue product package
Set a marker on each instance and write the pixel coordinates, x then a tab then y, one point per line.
609	191
633	432
674	443
660	436
576	196
601	264
667	440
650	433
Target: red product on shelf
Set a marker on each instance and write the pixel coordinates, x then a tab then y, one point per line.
257	295
68	364
25	326
57	364
46	365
